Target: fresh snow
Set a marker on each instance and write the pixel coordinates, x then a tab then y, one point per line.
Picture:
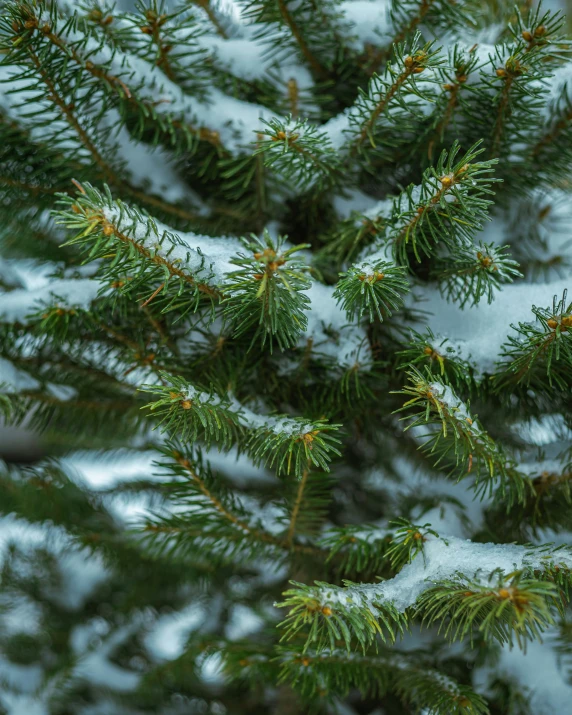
349	345
443	558
541	672
478	332
17	305
14	380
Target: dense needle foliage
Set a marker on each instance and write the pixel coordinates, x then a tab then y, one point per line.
283	288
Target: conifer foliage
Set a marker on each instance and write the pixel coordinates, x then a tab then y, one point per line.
283	287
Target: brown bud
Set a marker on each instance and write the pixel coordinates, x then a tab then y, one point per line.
500	72
418	70
446	181
552	323
305	662
108	20
327	611
504	593
408	61
527	35
540	31
146	30
449	87
107	230
186	404
462	78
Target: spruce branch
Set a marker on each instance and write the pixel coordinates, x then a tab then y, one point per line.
459	443
374	287
386	95
108	228
266	295
329	626
471	272
510	608
288	444
540	354
299	152
319	674
437	355
449	206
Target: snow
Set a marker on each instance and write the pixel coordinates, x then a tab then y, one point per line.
337	129
166	640
560	84
444	558
479	331
542	431
14	380
243	623
106	471
94	664
540	671
238	468
80	574
371	21
17	305
234	120
453	404
354	200
349	346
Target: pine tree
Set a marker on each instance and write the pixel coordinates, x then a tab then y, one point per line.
283	288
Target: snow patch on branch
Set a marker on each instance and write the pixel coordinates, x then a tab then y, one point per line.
444	558
206	258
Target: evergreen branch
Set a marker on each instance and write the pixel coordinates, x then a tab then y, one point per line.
438	356
512	608
208	509
206	6
300	152
373	286
412	23
540	354
297	504
504	592
339	623
267	293
298	36
358	549
470	272
188	413
319	674
460	440
386	92
448	206
108	228
290	444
